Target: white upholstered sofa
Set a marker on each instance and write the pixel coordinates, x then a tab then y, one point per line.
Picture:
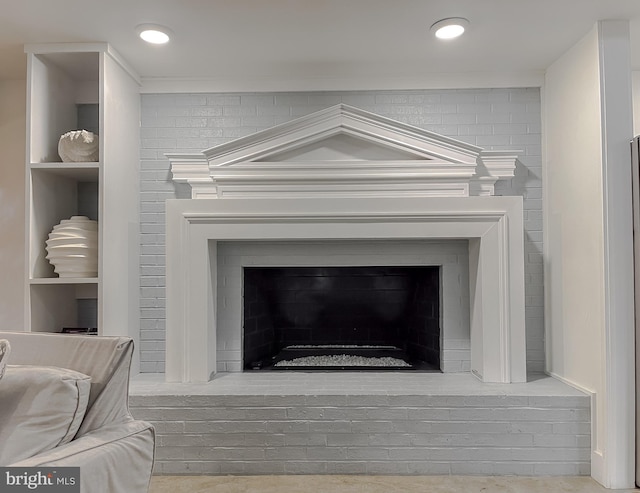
64	402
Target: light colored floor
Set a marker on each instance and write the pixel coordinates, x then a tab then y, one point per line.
373	484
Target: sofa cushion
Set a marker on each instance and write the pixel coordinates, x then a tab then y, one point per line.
40	408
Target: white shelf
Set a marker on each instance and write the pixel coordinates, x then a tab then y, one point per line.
74	86
77	171
64	280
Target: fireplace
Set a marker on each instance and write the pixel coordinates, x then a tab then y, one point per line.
337	318
343	179
335	268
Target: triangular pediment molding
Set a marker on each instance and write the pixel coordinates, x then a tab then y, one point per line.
342	151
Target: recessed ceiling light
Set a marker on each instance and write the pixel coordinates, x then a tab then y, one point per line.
154	33
449	28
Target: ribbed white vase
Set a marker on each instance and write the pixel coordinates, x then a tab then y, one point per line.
72	247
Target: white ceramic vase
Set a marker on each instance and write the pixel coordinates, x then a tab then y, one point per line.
78	146
72	247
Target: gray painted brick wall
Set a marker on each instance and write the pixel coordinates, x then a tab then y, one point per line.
369	434
490	118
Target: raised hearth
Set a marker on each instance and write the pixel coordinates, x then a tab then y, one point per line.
365	423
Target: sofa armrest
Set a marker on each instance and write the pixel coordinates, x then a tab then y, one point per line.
117	458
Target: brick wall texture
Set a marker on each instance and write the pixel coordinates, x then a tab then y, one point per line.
490	118
369	434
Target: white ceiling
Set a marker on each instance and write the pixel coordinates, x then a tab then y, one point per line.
282	42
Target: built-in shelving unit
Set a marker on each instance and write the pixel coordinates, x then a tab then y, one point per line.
72	87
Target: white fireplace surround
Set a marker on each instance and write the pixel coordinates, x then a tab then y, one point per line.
343	174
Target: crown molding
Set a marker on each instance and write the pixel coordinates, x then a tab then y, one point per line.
380	82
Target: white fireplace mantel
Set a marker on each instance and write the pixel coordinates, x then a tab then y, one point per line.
342	151
493	226
346	174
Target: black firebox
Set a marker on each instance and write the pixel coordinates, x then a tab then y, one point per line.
389	314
